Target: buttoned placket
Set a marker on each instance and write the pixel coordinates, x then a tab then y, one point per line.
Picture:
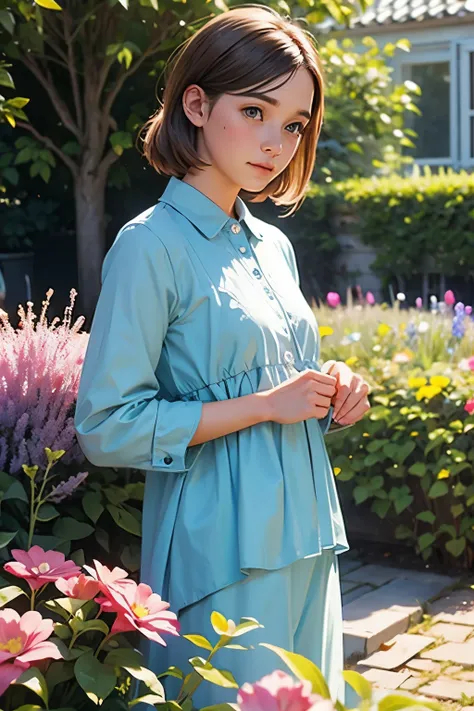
249	263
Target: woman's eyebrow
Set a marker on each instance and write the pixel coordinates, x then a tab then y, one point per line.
272	101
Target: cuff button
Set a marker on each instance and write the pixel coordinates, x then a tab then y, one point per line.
168	460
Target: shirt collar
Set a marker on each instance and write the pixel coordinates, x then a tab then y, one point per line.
208	217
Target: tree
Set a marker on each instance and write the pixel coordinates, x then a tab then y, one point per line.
81	52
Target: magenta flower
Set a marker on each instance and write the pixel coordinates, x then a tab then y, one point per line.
333	299
469	406
280	692
449	298
370	298
79	587
468	310
39	567
419	302
139	608
23	642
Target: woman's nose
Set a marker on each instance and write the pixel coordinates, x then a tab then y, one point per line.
272	146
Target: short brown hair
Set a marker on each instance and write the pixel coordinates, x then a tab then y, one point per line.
245	47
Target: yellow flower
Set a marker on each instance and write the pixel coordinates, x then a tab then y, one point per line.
325	331
416	383
440	381
414	434
352	361
337	471
444	474
428	392
383	329
365	434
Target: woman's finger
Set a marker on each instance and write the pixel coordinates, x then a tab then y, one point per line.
356	413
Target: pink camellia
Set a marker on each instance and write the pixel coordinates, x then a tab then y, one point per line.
278	691
469	406
39	567
419	302
80	587
333	299
22	643
449	298
370	298
139	608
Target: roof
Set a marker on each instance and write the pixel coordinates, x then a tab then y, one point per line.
387	12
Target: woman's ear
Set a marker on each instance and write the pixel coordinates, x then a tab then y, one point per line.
196	105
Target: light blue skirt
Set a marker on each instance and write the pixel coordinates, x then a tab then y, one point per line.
301	610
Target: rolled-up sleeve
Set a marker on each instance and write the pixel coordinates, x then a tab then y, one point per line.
120	418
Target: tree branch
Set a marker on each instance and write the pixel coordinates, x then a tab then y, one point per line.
71	62
48	84
52	146
109	159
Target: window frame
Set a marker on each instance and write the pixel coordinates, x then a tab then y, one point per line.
466	47
443	52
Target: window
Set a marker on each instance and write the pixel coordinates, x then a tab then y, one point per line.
434	125
466	100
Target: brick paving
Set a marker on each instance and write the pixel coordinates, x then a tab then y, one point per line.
410	631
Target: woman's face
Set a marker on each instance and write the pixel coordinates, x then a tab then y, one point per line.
265	128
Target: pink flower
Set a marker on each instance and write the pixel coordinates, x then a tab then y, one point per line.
470	362
280	692
22	642
139	608
449	298
469	406
39	567
79	587
468	310
419	302
107	579
333	299
370	298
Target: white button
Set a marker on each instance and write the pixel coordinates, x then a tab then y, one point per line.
235	228
289	357
243	249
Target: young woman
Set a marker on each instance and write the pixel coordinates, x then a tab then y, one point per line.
202	366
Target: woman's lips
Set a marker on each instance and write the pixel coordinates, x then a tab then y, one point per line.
264	168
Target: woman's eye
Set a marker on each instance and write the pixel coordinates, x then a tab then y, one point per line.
253	112
296	128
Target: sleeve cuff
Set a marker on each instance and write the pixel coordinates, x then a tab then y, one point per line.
176	424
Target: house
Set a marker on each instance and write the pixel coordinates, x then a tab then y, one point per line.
441	62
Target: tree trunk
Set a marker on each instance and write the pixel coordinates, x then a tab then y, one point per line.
90	235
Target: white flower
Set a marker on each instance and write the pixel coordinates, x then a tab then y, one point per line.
377	348
423	327
433	299
401	296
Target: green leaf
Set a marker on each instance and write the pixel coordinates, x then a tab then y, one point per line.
97	680
361	686
68	529
82	626
92	506
199	641
246	624
15	491
426	517
6	79
219	623
395	702
124	519
418	469
124	3
30	707
302	668
219	677
6	537
425	540
33	679
132	661
9	593
47	512
456	546
7	20
439	488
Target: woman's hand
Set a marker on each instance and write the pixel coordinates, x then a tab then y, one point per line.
350	401
309	394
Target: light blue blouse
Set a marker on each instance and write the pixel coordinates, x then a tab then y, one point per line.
197	307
